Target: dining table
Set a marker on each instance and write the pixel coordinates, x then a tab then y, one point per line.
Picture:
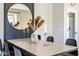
40	47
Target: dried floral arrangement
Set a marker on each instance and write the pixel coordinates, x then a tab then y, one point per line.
38	22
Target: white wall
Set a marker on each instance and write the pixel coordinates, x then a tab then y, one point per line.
53	14
46	11
58	22
78	27
1	21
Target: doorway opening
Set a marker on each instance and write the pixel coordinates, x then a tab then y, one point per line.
71	25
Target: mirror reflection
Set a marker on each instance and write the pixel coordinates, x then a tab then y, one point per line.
19	15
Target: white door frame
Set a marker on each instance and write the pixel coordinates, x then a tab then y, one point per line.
66	22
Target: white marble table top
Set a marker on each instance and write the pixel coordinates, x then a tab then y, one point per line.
41	48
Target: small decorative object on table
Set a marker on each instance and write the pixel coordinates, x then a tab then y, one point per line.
34	38
45	37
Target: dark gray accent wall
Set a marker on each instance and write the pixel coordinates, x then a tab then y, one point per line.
9	31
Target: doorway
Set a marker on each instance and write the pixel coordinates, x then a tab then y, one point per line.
71	25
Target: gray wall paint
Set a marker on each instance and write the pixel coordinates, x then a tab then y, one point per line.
2	21
58	22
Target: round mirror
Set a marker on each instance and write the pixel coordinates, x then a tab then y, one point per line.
19	15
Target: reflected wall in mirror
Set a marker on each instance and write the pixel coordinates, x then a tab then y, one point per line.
19	15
